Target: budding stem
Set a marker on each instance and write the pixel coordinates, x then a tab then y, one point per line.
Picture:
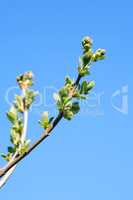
7	175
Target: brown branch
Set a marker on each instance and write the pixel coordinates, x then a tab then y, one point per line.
44	135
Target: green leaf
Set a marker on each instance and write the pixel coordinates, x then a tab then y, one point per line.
63	92
18	126
67	101
51	119
78	94
75	108
6	157
68	81
12	115
45	122
11	149
56	97
84	71
84	89
19	104
24	147
86	58
68	114
60	105
29	98
15	137
90	85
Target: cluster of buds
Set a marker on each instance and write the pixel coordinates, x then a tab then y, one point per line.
99	55
87	43
25	80
87	52
17	117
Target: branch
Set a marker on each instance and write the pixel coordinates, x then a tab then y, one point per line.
66	104
44	135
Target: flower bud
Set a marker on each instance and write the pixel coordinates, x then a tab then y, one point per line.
87	40
87	43
99	55
25	80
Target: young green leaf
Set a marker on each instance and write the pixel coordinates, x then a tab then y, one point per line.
67	114
24	147
75	108
19	103
30	98
12	115
45	121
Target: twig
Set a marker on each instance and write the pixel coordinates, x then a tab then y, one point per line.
44	135
7	175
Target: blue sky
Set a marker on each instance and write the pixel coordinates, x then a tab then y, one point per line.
90	157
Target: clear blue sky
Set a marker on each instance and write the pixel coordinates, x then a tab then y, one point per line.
91	157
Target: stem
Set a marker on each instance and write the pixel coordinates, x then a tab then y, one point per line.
7	175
